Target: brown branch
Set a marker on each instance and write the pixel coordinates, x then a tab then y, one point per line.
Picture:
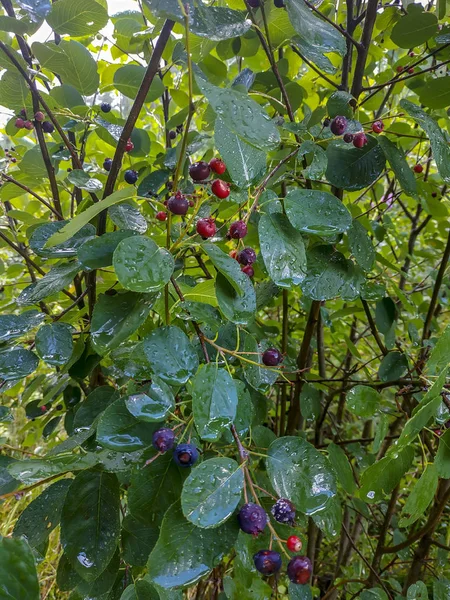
363	49
30	191
314	68
342	31
373	327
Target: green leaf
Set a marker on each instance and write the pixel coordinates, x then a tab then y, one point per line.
140	590
171	566
342	468
54	343
375	593
74	225
128	79
68	248
14	326
420	497
245	163
43	514
441	588
212	492
141	265
361	246
152	403
440	356
90	522
18	574
381	478
385	315
239	309
7	482
329	520
353	168
81	179
96	402
33	470
214	401
439	143
17	363
227	266
259	377
393	366
98	251
310	402
300	592
301	473
397	161
116	318
340	103
168	354
138	540
417	591
14	92
72	62
328	273
442	460
319	161
119	430
242	115
282	249
13	25
317	212
77	17
414	28
363	401
54	281
127	216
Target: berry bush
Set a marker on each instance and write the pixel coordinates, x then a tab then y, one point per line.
224	329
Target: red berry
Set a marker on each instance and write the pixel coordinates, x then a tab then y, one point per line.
178	204
161	215
377	126
206	227
39	116
199	171
191	203
232	253
218	166
43	409
238	230
248	270
220	188
399	69
299	569
417	168
411	70
359	140
29	125
20	123
294	543
129	146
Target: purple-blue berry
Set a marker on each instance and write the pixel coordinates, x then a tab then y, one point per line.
48	127
272	357
107	164
247	256
105	107
267	562
163	439
283	511
131	176
338	125
185	455
252	518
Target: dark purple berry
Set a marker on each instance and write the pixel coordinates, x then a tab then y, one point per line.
278	3
107	164
172	134
105	107
283	510
299	569
48	127
185	455
199	171
247	256
253	3
338	125
348	138
163	439
272	357
267	562
178	204
238	230
131	176
326	122
252	518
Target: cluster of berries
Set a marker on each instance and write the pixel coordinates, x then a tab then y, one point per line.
253	519
130	175
22	122
185	455
339	124
9	156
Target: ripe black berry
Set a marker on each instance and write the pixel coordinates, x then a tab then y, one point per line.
199	171
105	107
299	569
238	230
185	455
178	204
107	164
271	358
247	256
267	562
326	122
283	510
252	518
172	134
338	125
163	439
253	3
131	176
348	137
278	3
48	127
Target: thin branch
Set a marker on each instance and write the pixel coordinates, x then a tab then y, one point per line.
333	24
30	191
363	50
314	68
373	327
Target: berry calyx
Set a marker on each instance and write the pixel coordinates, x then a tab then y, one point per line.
377	126
185	455
283	510
220	188
238	230
348	137
338	125
326	122
29	125
359	140
418	168
48	127
248	270
252	518
107	164
163	439
131	176
294	543
105	107
20	123
129	146
206	227
39	116
271	358
247	256
178	204
218	166
267	562
199	171
161	215
299	569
